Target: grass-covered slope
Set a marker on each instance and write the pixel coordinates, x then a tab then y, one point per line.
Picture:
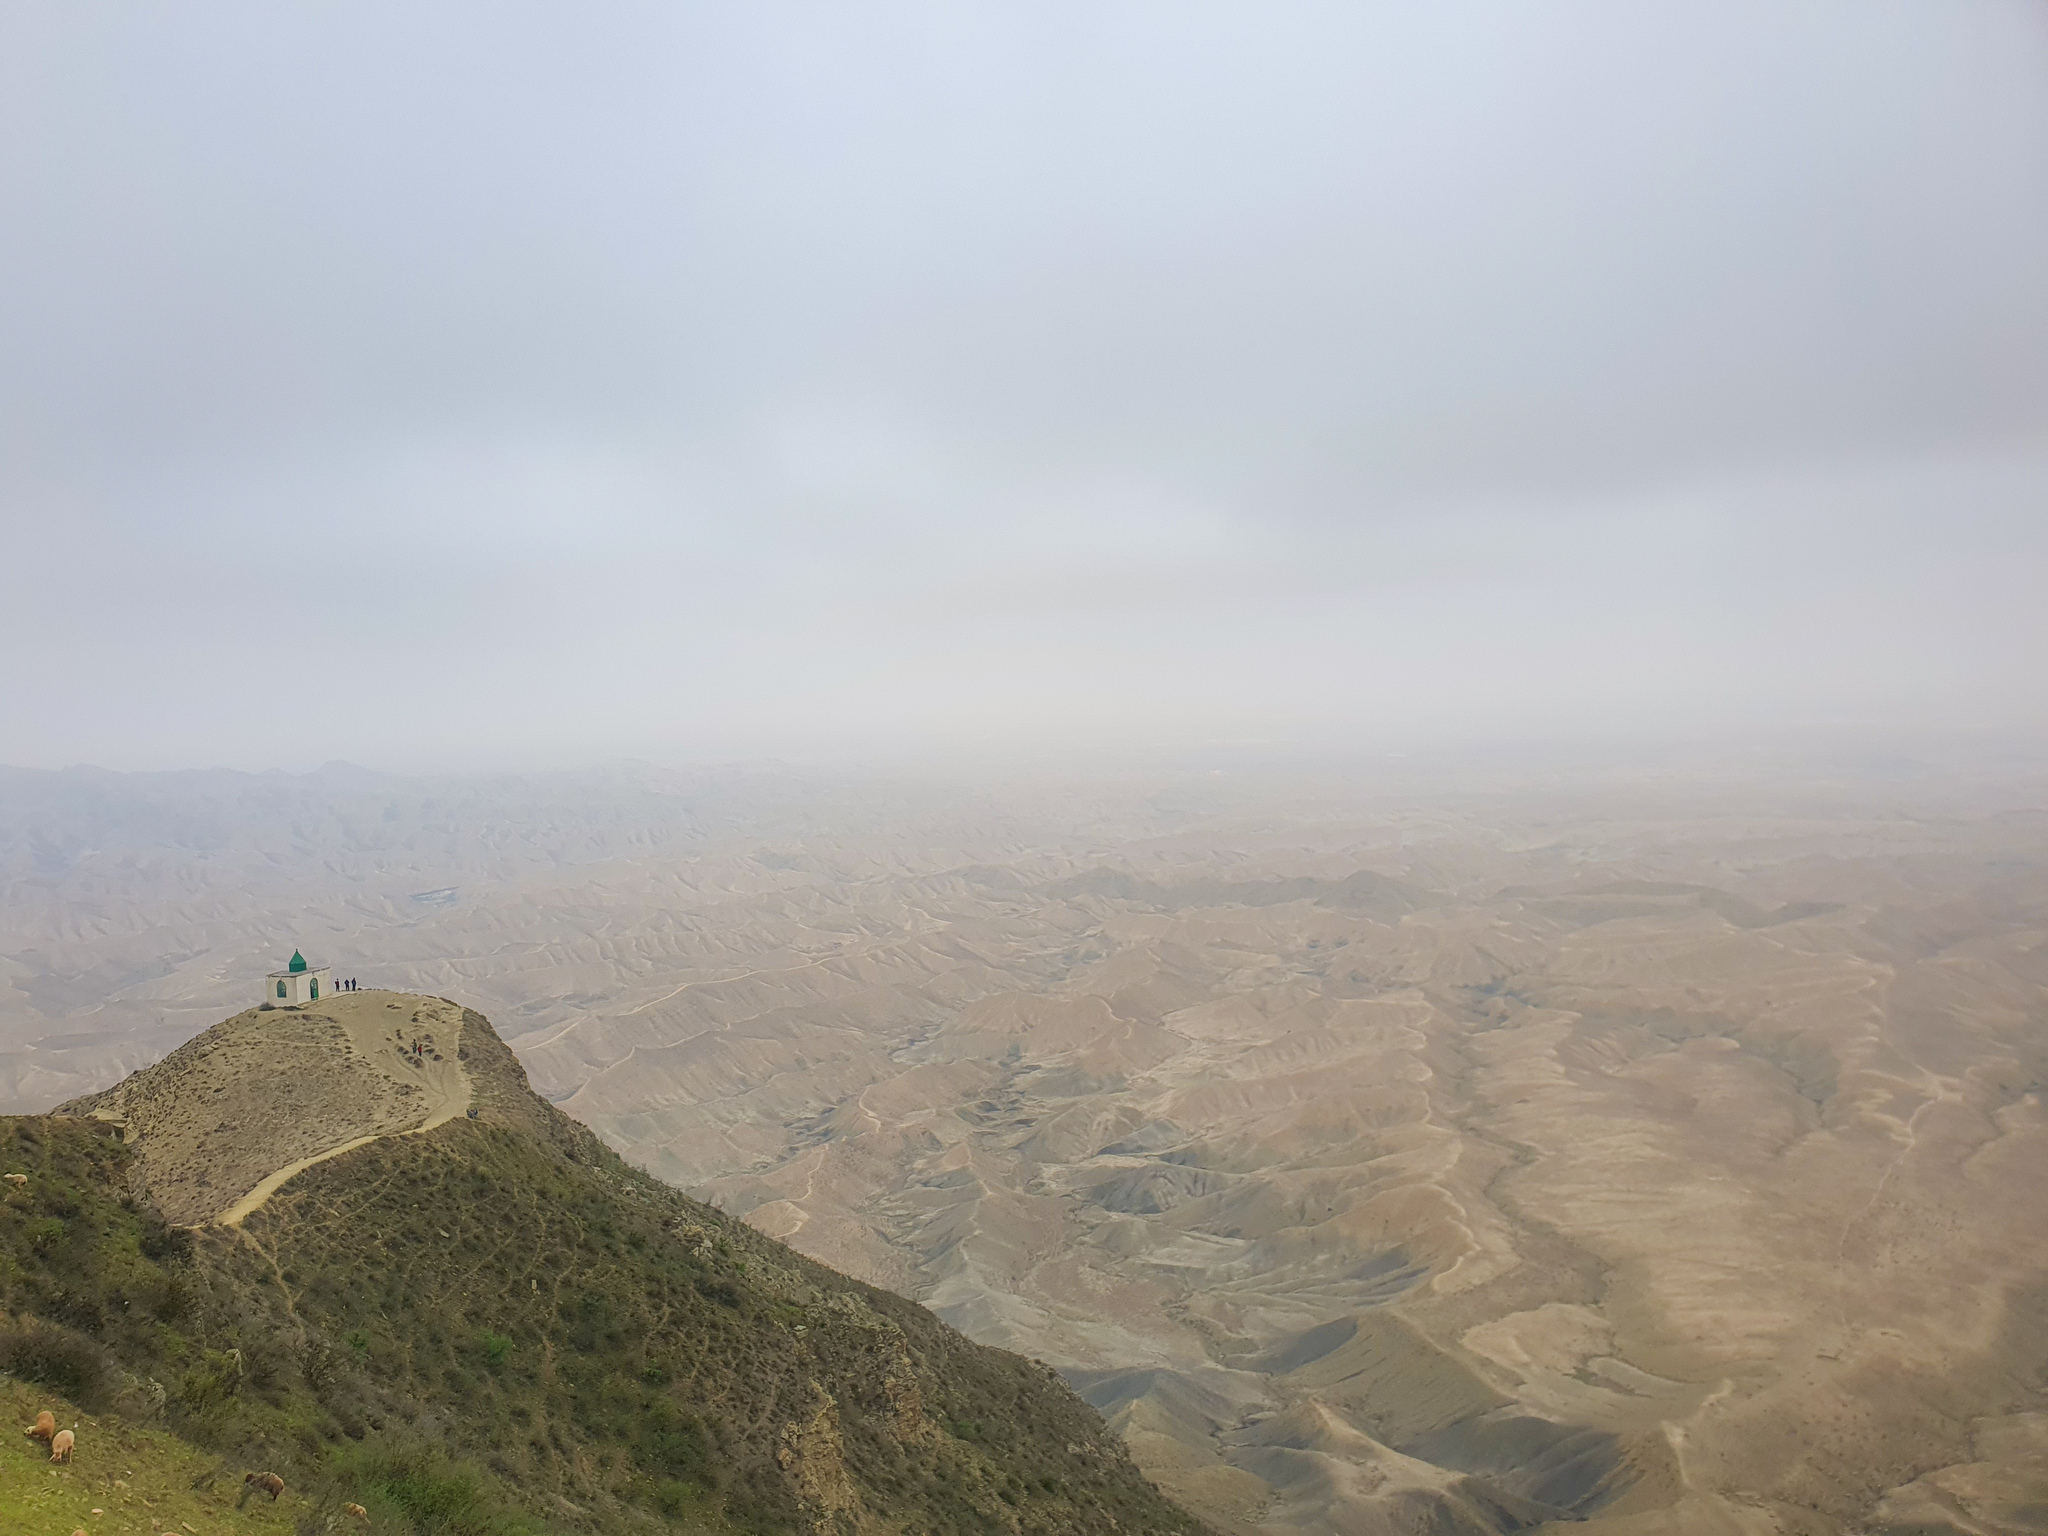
137	1479
498	1325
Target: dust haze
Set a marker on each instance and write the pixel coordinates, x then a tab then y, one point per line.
1334	714
1434	1145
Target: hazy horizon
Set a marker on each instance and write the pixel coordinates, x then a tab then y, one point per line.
461	388
1672	1134
1332	715
1849	751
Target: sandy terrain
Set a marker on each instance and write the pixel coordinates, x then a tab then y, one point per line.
1662	1157
226	1119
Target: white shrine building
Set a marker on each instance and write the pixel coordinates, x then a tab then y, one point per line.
297	983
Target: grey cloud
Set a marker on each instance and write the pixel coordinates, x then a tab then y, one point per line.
535	384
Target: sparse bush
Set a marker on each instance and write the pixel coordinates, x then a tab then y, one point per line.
724	1292
61	1360
261	1365
671	1498
163	1243
169	1299
45	1232
317	1363
424	1492
212	1381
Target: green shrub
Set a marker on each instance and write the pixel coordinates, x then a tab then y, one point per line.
56	1357
212	1381
162	1242
423	1491
672	1498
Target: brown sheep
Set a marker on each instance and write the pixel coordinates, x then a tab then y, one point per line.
44	1427
269	1482
60	1446
358	1511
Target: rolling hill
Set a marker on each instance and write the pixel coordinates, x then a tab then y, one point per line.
1446	1149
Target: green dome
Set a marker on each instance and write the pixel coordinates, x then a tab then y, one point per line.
298	962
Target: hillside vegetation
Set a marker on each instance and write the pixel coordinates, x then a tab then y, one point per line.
497	1326
137	1479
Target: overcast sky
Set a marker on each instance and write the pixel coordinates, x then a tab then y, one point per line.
433	386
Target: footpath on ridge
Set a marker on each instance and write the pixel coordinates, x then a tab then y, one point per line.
224	1121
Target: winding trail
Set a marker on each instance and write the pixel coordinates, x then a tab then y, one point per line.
445	1084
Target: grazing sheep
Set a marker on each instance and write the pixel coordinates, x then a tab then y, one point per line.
268	1482
60	1446
44	1427
15	1178
358	1511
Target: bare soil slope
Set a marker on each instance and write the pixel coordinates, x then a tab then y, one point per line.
229	1116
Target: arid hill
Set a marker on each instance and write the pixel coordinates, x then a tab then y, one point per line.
1658	1150
495	1309
225	1118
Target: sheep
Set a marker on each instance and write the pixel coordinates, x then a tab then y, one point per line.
358	1511
15	1178
267	1482
60	1446
44	1427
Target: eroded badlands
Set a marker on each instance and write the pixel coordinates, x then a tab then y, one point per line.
1666	1159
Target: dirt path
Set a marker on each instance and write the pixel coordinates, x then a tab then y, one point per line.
444	1084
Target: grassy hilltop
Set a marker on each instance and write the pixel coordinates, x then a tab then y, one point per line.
496	1326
